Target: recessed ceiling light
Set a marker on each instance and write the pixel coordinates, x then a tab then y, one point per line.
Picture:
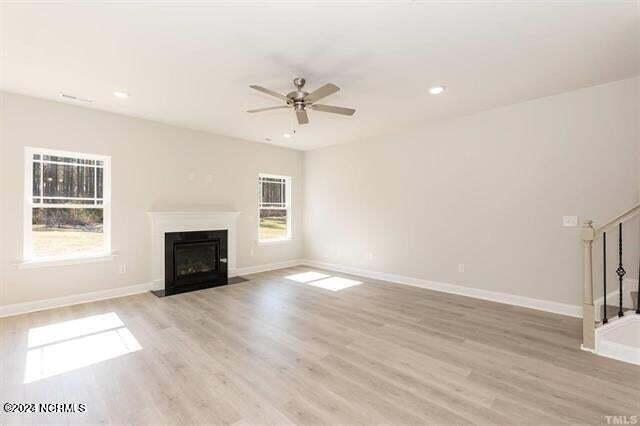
436	90
122	95
287	135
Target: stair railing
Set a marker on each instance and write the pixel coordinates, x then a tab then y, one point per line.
589	235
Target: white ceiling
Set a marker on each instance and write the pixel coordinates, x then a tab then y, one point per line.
190	64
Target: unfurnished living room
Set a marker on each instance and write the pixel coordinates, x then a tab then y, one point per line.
278	212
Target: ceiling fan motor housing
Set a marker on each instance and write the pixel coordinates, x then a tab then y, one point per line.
296	98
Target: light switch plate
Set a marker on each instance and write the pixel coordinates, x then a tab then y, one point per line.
570	221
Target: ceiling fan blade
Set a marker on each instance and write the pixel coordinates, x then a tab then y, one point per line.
269	108
323	92
269	92
303	118
333	109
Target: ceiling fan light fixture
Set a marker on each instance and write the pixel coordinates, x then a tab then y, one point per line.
436	90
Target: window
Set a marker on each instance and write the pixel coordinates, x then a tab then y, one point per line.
67	205
274	195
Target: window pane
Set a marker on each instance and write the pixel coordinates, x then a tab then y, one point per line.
273	224
272	193
70	160
271	179
67	201
99	181
68	181
60	231
37	189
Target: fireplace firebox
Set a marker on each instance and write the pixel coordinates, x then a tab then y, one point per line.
194	260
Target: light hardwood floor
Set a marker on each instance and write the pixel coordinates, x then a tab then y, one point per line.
277	351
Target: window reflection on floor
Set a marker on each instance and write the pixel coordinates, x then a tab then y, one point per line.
70	345
325	281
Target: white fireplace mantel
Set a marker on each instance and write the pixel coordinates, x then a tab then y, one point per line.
183	221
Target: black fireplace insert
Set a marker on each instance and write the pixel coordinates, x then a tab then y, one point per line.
194	260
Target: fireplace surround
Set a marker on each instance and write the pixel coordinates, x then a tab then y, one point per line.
167	222
194	260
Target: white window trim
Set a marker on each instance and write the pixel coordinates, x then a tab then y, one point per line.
28	259
288	186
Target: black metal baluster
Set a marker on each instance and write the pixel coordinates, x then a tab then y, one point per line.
620	271
604	276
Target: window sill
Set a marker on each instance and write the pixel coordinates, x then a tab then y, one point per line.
44	263
274	242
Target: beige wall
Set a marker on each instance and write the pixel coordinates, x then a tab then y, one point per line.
487	190
151	165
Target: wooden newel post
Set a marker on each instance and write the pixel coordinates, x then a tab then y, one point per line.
588	310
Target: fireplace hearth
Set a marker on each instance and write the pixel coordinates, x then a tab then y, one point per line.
194	260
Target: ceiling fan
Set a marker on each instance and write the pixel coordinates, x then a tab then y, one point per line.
300	100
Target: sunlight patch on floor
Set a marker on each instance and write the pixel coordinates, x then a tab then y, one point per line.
306	277
320	280
335	283
58	348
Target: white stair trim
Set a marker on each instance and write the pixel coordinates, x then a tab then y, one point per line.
618	350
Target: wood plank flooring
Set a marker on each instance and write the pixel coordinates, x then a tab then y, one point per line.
278	351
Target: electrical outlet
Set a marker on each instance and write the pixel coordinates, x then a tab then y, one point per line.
570	221
123	268
460	267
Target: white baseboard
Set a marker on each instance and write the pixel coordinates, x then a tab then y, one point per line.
265	268
592	351
510	299
59	302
